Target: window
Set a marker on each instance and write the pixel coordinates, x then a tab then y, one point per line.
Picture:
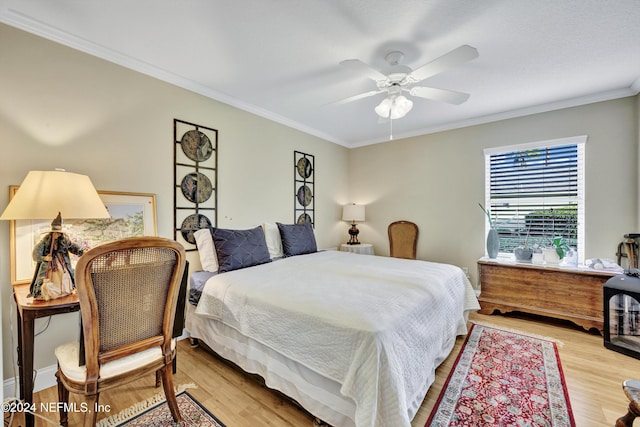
535	192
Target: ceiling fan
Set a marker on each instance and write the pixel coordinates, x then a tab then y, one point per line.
402	78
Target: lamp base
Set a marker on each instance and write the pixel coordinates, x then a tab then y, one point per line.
353	232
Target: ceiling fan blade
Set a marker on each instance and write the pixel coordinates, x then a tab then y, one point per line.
442	95
457	56
357	97
362	68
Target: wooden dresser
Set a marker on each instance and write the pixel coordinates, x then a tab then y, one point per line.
573	294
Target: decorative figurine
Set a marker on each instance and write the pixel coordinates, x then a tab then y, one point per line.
53	276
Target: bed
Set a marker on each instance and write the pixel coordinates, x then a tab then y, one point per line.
354	339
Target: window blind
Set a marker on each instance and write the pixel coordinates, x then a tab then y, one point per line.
535	193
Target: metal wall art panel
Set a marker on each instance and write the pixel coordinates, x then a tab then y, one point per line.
196	180
304	169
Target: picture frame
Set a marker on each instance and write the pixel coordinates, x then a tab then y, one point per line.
132	214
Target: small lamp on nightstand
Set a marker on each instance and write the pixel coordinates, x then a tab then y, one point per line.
54	194
353	213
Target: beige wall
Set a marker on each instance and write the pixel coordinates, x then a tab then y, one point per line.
62	108
437	180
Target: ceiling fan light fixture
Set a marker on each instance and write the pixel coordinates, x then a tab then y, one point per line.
384	108
401	106
394	107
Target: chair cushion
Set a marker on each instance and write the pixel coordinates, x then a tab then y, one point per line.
67	355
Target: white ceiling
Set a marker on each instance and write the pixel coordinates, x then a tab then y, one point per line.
280	58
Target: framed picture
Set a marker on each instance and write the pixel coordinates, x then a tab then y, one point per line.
132	214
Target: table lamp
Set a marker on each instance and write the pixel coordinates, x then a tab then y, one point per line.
55	195
353	213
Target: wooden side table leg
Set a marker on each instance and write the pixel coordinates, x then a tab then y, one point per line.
19	351
26	370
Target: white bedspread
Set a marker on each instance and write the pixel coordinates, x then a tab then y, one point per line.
374	324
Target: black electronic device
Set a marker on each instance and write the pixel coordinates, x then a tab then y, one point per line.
621	297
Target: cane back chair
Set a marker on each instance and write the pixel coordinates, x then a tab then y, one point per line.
403	239
128	292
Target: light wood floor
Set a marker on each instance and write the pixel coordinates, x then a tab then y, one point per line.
593	375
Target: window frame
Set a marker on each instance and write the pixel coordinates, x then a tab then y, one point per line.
580	142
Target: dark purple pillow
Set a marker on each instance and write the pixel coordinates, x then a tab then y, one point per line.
239	248
297	239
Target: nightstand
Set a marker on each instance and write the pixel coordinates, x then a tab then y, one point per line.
362	248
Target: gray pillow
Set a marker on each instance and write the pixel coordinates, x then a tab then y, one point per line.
297	239
239	248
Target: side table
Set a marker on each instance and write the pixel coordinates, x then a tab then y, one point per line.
28	310
362	248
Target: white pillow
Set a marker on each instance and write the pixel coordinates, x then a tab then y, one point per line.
206	250
274	242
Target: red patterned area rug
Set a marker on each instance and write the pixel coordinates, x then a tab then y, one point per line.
502	378
155	413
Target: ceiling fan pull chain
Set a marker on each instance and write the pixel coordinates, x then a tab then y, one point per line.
390	128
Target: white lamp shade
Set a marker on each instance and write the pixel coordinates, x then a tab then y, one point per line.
353	213
44	194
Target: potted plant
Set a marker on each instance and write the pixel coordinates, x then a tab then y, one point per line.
559	248
524	253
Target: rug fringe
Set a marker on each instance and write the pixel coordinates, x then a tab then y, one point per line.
139	407
518	331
